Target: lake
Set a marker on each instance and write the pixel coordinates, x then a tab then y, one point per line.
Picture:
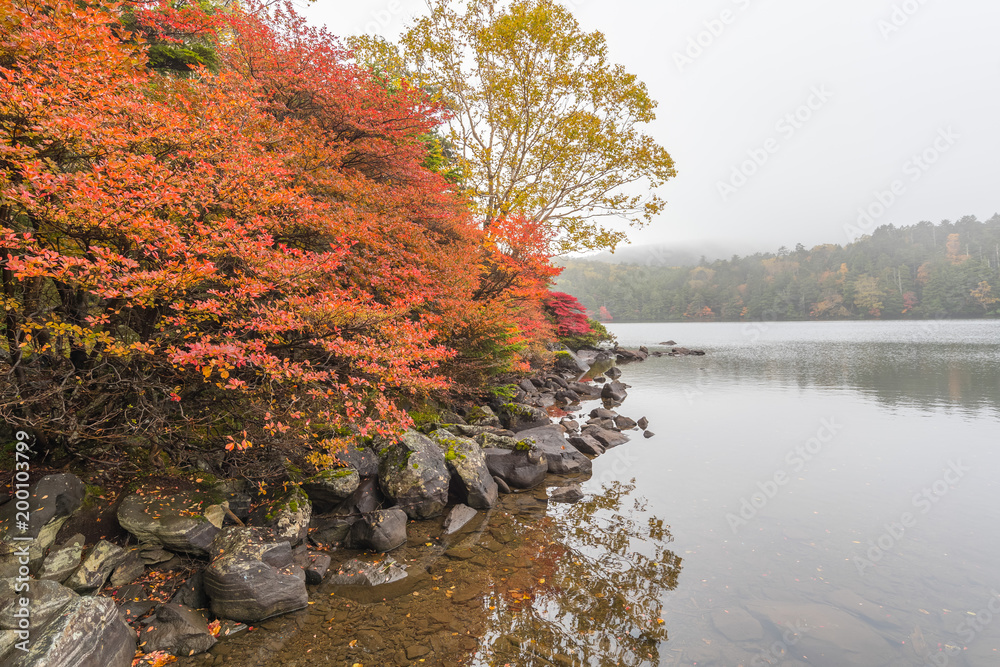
819	494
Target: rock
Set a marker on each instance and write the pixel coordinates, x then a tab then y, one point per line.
130	569
88	633
828	636
520	417
648	434
483	416
608	424
643	423
684	352
250	578
359	573
470	477
668	343
566	397
488	440
449	417
476	431
570	425
520	469
614	391
562	457
329	488
624	423
416	651
52	500
287	515
527	386
360	458
603	413
316	566
46	600
585	390
176	629
608	439
457	518
414	474
737	625
366	498
178	522
501	485
857	605
586	444
566	494
154	555
100	561
192	592
382	530
613	373
61	561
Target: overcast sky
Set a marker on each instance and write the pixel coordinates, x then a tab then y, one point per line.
787	117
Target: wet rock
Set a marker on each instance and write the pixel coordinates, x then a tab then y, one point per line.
586	390
608	424
329	488
46	599
483	416
520	469
180	522
52	500
624	423
382	530
100	561
828	636
566	494
603	413
287	515
61	561
192	592
501	485
88	633
467	465
316	566
669	343
570	425
457	518
566	397
648	434
643	423
519	417
250	578
737	625
176	629
561	456
586	444
613	373
614	391
414	474
416	651
606	437
359	573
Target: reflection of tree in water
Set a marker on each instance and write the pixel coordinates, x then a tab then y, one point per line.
595	598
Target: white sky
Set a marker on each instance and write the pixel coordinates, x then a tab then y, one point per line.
899	74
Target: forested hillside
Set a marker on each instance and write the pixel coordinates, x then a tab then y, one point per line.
949	270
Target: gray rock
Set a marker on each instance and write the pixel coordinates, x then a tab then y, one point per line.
155	555
475	431
566	397
566	494
520	469
519	417
176	629
483	416
89	632
52	500
470	477
643	423
287	515
181	522
100	561
382	530
624	423
192	592
488	440
130	569
570	425
316	566
608	439
613	373
586	444
614	391
362	459
250	578
359	573
414	474
737	625
329	488
501	485
46	600
449	417
457	518
648	434
527	385
561	456
61	561
603	413
585	390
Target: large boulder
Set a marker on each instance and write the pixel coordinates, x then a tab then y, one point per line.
414	474
252	577
614	391
329	488
46	600
482	416
469	473
61	561
381	530
519	468
176	629
585	390
52	500
90	632
185	522
607	438
586	444
520	417
101	560
562	457
287	515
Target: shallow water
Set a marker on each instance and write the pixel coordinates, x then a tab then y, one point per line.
815	494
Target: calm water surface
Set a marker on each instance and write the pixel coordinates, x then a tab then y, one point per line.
815	494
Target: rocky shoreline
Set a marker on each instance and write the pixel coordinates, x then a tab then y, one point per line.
203	564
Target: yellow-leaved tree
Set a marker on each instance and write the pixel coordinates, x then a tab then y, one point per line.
543	126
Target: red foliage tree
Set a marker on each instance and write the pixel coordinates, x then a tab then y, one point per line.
570	314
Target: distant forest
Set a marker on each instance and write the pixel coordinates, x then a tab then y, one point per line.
923	271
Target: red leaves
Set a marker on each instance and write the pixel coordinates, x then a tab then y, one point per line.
569	313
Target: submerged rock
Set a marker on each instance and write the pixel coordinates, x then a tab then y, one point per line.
359	573
457	518
737	625
566	494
